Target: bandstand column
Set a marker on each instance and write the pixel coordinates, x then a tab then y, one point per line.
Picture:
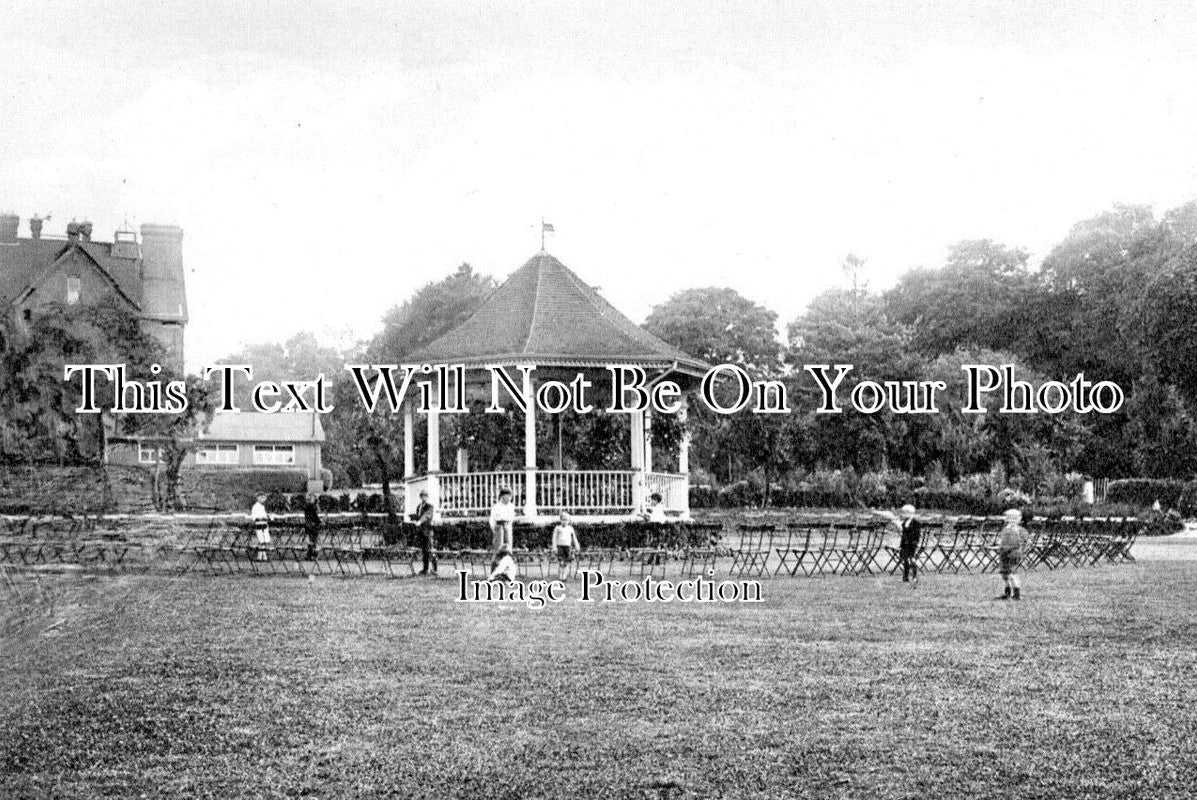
683	454
637	448
648	440
434	450
409	457
529	448
683	445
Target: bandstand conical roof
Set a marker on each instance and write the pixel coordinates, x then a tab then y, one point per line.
544	314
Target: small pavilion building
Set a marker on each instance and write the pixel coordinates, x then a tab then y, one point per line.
545	316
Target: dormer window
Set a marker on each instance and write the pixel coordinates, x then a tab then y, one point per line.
74	285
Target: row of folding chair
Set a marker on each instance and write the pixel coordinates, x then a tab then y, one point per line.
87	553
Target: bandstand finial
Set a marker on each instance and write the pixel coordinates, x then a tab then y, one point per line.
545	227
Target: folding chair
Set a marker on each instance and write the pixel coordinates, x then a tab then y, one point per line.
854	550
529	563
802	551
821	556
785	551
752	556
843	551
871	548
598	559
648	562
698	562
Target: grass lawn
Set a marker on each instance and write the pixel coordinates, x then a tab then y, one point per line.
833	687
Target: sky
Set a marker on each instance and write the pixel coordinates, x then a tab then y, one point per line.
326	159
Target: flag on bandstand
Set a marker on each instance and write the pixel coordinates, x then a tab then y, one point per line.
545	227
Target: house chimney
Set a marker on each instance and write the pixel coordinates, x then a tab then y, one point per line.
124	244
35	226
9	224
73	231
85	230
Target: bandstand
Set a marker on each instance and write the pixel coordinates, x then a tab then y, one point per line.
545	316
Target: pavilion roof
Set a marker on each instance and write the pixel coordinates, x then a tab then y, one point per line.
544	314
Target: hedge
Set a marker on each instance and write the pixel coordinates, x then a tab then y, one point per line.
1143	492
229	490
605	535
951	502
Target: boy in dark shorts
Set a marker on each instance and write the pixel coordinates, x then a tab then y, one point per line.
1011	542
565	542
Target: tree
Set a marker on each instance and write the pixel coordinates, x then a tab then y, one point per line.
1092	277
1021	443
301	357
721	326
1165	321
176	433
367	443
435	309
37	408
1162	431
844	327
973	300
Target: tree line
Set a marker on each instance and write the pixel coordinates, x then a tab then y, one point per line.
1115	299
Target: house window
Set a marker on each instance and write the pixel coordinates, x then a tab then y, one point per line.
147	453
217	454
74	285
274	454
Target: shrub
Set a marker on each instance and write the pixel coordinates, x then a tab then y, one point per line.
704	497
1186	503
235	490
741	494
1070	486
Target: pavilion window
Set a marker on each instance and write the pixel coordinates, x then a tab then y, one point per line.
74	287
217	454
147	453
274	454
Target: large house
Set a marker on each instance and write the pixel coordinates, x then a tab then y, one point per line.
144	274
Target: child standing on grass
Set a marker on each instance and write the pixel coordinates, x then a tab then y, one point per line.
565	541
1011	542
261	521
502	520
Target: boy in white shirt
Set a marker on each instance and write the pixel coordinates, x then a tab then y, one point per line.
261	521
1011	542
565	542
502	518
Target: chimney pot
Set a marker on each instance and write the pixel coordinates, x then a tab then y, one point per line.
85	228
9	225
72	230
35	227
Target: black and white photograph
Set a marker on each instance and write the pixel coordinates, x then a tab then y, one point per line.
598	400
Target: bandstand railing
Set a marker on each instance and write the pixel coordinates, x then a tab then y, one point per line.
674	489
586	492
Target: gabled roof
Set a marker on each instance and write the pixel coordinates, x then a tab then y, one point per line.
24	262
251	426
544	314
